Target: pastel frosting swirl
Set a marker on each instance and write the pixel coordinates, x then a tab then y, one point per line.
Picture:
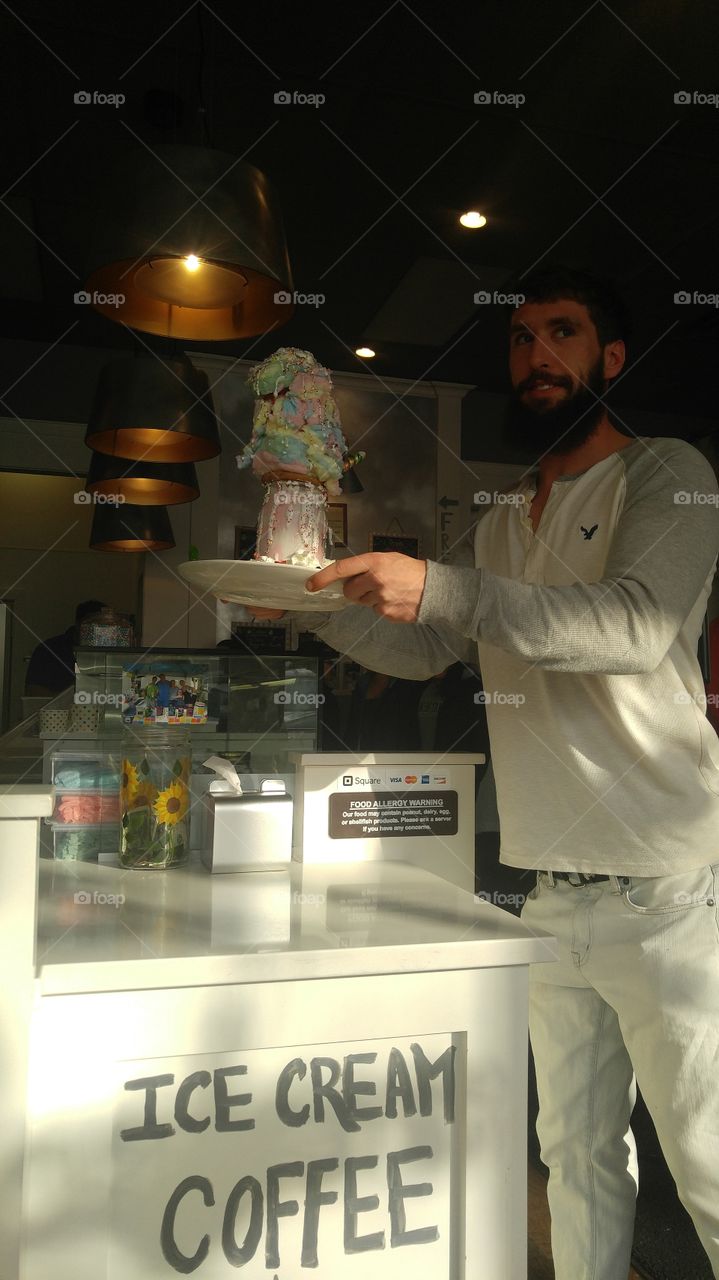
296	423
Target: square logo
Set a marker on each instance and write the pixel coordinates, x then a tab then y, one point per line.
347	780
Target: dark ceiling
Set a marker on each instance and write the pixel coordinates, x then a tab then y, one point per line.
599	167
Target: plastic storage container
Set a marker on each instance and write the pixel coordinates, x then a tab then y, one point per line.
85	822
85	771
85	843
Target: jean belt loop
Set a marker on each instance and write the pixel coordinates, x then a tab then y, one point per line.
616	884
550	877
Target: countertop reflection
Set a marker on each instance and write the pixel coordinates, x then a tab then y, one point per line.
103	927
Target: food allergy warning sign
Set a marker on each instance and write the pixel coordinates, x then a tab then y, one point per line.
354	815
327	1161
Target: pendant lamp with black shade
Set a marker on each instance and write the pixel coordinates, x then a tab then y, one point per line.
153	410
350	482
143	483
127	527
189	243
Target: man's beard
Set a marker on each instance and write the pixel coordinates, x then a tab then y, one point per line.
559	429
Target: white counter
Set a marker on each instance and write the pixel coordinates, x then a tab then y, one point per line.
107	929
21	808
32	801
314	1072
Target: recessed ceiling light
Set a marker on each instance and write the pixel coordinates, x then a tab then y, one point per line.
473	219
365	352
192	262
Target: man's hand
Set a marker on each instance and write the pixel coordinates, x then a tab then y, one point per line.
389	583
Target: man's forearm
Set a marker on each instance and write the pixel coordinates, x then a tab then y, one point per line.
411	651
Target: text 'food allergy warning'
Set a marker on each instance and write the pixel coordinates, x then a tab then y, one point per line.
353	815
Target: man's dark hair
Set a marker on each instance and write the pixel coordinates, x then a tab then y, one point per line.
608	311
86	607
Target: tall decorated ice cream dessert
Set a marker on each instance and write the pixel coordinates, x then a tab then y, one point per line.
298	451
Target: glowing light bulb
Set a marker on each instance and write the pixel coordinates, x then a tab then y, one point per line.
365	352
473	219
192	262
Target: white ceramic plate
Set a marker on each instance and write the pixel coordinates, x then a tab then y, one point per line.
267	586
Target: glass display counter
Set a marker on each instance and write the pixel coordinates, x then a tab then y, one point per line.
259	710
255	710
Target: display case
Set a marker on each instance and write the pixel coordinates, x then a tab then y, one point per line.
256	710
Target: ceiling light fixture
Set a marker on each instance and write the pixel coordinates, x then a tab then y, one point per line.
473	220
189	243
126	527
143	483
154	410
365	353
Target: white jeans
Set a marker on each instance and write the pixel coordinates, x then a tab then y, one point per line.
636	989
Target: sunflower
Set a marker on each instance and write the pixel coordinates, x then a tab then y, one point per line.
129	783
145	794
172	804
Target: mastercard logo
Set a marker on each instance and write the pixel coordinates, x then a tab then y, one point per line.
411	777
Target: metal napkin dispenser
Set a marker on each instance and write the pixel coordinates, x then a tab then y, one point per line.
248	831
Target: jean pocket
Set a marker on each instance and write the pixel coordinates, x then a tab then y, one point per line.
668	895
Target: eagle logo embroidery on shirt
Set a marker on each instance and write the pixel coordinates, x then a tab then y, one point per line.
589	533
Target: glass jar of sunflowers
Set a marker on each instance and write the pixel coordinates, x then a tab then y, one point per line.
155	797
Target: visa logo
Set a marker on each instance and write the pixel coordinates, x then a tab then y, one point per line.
411	777
425	777
395	777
